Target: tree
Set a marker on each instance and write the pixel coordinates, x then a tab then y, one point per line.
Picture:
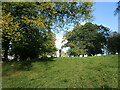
69	13
87	39
34	44
118	8
113	43
28	21
38	17
9	31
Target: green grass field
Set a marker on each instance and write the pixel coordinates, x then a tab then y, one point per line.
64	72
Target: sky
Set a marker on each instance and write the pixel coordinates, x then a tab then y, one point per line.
103	14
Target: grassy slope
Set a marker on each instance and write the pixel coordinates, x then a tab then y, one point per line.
64	72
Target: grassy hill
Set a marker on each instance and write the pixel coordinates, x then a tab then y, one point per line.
64	72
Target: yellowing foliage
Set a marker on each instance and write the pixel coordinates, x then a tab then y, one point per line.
9	26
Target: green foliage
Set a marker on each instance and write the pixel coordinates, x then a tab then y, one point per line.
87	39
35	43
28	25
118	8
28	34
9	28
63	72
69	13
113	43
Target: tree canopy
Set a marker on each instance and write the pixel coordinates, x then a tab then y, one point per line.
118	8
27	27
87	39
113	44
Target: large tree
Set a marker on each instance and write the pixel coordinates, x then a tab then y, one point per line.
26	24
87	39
9	31
118	8
113	44
27	19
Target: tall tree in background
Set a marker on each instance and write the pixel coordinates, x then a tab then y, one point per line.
117	11
113	43
118	8
32	21
87	39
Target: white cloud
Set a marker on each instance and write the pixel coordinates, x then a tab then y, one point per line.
82	23
58	42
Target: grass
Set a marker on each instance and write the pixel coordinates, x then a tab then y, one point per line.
63	72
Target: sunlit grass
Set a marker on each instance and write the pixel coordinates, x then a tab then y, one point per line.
63	72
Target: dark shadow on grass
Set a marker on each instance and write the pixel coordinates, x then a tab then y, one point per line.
27	65
47	59
12	67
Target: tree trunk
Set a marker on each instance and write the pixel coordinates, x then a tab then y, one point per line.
60	52
6	55
6	46
83	55
93	54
